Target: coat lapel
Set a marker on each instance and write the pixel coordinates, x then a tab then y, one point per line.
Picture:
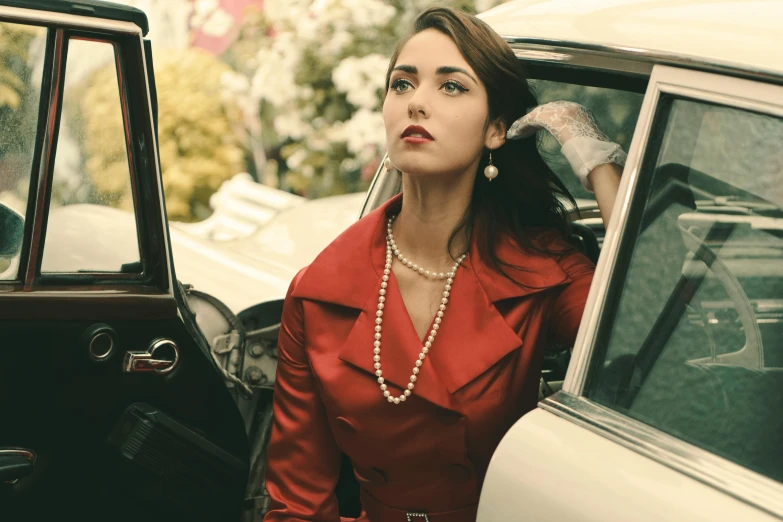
474	335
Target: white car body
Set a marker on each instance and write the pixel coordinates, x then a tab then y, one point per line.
573	459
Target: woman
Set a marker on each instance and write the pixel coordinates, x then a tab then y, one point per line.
416	370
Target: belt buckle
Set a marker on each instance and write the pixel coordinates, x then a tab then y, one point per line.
411	515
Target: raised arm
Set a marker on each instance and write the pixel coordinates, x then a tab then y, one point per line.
595	160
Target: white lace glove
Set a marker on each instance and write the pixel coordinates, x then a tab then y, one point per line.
573	126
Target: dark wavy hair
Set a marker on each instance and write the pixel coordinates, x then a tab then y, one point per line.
527	193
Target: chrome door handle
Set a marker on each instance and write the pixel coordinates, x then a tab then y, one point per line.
15	463
166	360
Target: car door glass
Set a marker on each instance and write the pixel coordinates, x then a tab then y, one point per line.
21	66
91	225
694	346
616	112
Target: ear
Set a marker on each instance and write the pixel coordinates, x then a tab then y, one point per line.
495	136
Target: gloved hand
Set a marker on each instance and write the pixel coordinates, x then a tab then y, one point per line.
573	126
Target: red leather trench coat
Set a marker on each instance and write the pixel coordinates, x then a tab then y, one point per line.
430	453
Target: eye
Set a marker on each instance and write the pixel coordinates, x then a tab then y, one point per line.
453	87
400	85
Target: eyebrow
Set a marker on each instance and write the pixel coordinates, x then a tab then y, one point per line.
445	69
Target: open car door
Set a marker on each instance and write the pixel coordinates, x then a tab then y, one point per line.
112	407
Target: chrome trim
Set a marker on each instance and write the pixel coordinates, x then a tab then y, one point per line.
31	456
576	374
19	451
580	58
628	59
46	165
38	17
101	356
142	362
383	187
722	474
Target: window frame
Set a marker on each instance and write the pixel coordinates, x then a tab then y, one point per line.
701	464
141	148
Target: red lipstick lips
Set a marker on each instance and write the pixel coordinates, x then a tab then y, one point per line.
416	134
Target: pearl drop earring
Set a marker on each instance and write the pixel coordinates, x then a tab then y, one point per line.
490	171
387	164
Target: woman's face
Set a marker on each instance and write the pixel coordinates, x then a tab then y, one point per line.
435	110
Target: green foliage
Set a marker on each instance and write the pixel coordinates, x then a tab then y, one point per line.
15	87
199	145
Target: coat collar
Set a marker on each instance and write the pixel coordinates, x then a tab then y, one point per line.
348	273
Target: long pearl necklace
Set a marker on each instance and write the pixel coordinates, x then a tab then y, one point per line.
391	249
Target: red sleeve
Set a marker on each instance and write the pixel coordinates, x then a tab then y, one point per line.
303	460
566	312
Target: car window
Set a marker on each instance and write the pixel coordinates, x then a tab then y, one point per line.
92	194
694	343
21	66
615	111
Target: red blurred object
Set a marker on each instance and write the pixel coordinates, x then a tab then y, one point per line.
204	37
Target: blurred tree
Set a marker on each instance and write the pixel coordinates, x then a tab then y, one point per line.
15	72
199	145
314	71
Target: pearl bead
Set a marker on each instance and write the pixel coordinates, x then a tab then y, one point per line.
490	172
392	249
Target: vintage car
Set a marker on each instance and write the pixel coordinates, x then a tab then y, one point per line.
128	394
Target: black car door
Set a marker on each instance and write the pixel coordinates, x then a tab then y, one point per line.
111	407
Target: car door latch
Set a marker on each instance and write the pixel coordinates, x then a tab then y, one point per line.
161	357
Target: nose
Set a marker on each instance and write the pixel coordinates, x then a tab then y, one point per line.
418	106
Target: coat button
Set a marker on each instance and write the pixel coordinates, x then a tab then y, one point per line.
460	473
345	425
448	417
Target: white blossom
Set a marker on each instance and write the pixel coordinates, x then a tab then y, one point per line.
295	160
364	134
361	79
292	125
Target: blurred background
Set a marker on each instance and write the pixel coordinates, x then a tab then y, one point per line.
284	93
